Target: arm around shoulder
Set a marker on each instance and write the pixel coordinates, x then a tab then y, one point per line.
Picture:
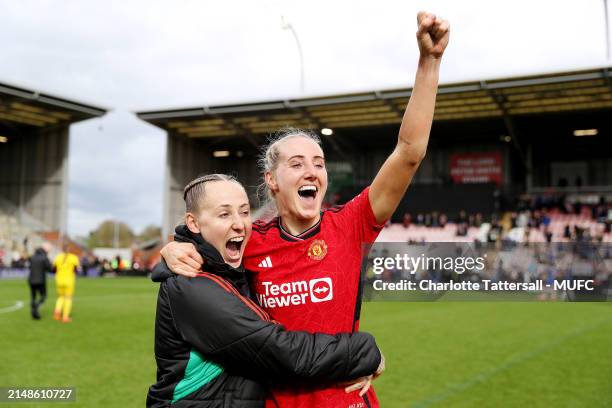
231	331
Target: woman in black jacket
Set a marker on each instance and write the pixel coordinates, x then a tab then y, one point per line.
214	346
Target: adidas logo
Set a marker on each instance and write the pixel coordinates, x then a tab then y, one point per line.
266	263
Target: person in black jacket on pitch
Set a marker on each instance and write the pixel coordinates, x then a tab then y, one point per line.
214	346
37	279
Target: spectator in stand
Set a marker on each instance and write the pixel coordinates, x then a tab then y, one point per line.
96	267
567	233
577	208
545	219
522	219
548	234
85	264
125	265
106	267
478	220
462	224
462	218
526	235
537	219
600	213
471	221
116	264
443	220
407	220
578	233
514	220
17	261
495	230
435	219
567	208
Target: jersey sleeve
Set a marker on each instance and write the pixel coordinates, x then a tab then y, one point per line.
357	216
225	328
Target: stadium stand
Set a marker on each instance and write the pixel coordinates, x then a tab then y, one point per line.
491	141
34	139
18	235
419	233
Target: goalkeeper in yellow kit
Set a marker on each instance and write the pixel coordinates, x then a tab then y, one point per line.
65	266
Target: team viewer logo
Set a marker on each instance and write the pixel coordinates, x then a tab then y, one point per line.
321	290
317	250
295	293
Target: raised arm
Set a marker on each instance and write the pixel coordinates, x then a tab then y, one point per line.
395	175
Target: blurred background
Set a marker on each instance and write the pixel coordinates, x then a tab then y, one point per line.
107	109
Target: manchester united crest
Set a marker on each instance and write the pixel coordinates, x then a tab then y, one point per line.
317	250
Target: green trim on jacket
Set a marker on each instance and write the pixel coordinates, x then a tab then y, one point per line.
197	373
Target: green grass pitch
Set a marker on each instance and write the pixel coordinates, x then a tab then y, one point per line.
439	354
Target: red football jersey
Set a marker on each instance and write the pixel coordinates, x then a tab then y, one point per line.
311	282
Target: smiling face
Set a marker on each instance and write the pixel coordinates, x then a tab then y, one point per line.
299	181
223	219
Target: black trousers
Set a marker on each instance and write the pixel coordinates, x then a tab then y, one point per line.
39	289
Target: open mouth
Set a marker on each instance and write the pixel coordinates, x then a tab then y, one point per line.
308	192
233	246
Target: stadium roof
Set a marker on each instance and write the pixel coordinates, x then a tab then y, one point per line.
23	107
558	92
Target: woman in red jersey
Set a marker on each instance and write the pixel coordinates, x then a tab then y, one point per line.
306	262
213	345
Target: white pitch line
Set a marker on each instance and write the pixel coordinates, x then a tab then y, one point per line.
18	305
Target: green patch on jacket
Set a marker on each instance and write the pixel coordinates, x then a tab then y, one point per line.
197	373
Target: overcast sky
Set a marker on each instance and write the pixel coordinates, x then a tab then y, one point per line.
140	55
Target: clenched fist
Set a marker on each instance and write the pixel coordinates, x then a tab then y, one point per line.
432	34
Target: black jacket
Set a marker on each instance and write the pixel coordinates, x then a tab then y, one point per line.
215	347
39	266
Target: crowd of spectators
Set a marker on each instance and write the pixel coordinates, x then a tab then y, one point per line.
91	265
531	213
117	266
573	245
463	222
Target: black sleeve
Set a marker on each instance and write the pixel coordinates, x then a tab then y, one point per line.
47	267
161	272
224	327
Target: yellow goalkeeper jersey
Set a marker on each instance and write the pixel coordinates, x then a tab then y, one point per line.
65	266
